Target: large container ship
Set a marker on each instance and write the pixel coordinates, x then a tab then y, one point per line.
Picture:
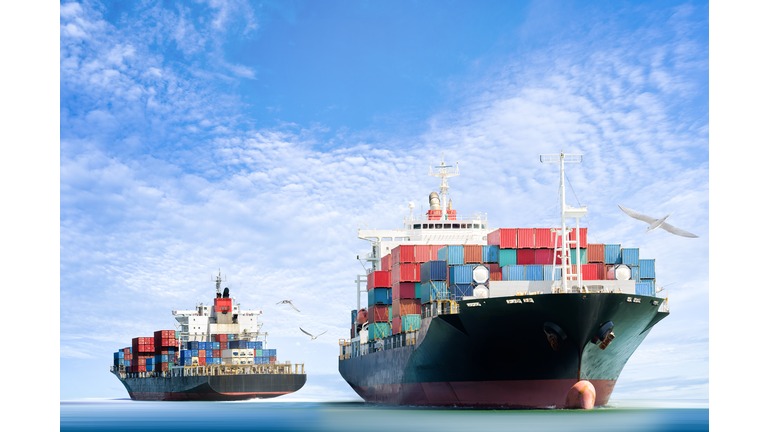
217	353
461	314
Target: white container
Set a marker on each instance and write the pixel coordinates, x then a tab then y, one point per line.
619	272
480	274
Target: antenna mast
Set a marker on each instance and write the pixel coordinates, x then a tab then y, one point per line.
218	283
444	172
567	211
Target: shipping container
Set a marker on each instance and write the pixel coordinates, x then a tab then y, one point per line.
544	256
434	290
582	256
544	238
600	271
513	272
630	256
459	291
433	252
378	313
405	307
596	253
507	257
589	271
635	273
417	290
460	274
403	254
549	269
410	323
421	253
258	353
216	353
379	296
434	271
473	254
618	272
613	254
526	256
379	330
534	272
403	290
406	273
452	254
643	289
647	268
490	254
651	283
526	238
396	325
386	262
379	279
504	238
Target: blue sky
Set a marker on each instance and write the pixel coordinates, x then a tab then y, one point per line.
255	137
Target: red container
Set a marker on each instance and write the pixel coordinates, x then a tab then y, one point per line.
379	279
221	337
405	307
504	238
380	313
543	256
588	271
201	361
433	251
169	342
596	253
403	290
201	353
406	273
544	238
600	271
421	253
386	262
141	361
473	254
217	353
396	325
272	360
526	256
403	254
164	366
140	368
526	238
495	271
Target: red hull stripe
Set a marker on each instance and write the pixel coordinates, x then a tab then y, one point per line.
509	394
210	396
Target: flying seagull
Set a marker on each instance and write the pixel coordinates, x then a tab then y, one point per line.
289	302
313	337
658	223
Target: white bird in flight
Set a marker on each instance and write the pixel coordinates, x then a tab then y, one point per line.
289	302
658	223
313	337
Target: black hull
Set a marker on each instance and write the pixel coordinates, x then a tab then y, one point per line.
497	354
213	388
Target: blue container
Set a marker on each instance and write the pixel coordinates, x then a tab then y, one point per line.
630	256
534	272
548	269
513	273
507	257
170	349
121	362
185	361
202	346
240	344
490	254
651	282
230	337
613	254
208	360
454	254
150	367
192	345
258	345
459	291
187	354
434	290
635	274
215	345
149	361
460	274
647	268
161	358
643	289
417	291
215	360
380	296
208	353
434	271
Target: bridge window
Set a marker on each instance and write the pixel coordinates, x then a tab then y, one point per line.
456	226
476	226
439	226
417	226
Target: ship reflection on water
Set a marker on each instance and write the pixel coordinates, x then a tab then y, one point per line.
127	415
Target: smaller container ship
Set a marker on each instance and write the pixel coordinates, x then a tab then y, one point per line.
219	353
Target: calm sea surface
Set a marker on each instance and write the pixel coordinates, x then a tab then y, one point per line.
127	415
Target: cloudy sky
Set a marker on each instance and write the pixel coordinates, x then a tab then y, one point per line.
255	137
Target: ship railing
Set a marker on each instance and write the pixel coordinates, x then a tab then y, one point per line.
285	368
439	307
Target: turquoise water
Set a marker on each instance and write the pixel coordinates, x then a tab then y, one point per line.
128	415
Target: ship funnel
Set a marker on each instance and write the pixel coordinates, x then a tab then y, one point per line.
434	201
226	292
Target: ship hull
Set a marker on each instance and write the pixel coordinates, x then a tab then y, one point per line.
497	354
213	388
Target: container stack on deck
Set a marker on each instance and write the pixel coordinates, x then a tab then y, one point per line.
149	354
227	349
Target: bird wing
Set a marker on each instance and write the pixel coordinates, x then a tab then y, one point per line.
678	231
322	333
293	306
305	332
638	216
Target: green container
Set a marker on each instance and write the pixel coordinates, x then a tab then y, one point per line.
418	290
583	256
410	322
177	334
379	330
390	314
507	257
257	353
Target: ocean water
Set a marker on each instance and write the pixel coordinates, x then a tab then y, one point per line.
127	415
